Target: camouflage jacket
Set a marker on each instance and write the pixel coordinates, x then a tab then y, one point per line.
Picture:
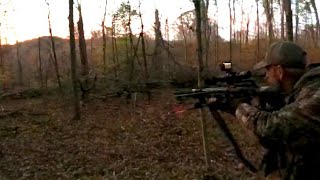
292	134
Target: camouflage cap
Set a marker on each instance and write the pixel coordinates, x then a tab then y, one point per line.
284	53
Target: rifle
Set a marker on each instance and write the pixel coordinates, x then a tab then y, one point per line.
231	86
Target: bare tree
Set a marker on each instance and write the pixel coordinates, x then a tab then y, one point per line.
114	49
281	4
230	33
185	29
247	28
187	25
56	67
115	46
143	46
216	33
82	46
241	32
1	54
104	38
2	49
91	48
313	4
73	62
297	20
289	25
40	62
268	6
206	30
125	13
309	29
131	58
167	35
258	31
156	63
84	82
197	6
20	71
234	19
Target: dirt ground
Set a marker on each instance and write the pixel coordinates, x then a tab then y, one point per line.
116	140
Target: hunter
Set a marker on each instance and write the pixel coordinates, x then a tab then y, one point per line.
291	134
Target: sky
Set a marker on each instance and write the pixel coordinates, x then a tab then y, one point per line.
27	19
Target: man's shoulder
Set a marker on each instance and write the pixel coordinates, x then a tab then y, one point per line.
310	80
308	92
313	65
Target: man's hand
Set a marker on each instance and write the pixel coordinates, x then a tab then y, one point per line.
228	106
235	102
255	101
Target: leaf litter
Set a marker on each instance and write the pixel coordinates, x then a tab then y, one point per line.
116	140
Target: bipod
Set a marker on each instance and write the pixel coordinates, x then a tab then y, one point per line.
223	126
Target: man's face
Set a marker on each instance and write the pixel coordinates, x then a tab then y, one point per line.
273	75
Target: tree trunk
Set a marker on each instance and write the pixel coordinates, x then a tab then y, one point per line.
116	50
20	71
200	79
217	44
131	58
113	42
91	49
56	67
234	19
82	47
184	39
168	49
258	32
199	41
104	39
73	62
230	35
281	5
46	71
297	20
313	4
40	62
247	29
289	25
84	80
143	46
216	33
241	31
206	31
207	45
157	30
128	59
269	16
1	55
104	47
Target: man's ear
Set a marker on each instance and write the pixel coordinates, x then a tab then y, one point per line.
280	72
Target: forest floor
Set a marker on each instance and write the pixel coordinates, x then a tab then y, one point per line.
116	140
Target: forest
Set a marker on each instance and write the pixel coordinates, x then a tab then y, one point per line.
99	107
